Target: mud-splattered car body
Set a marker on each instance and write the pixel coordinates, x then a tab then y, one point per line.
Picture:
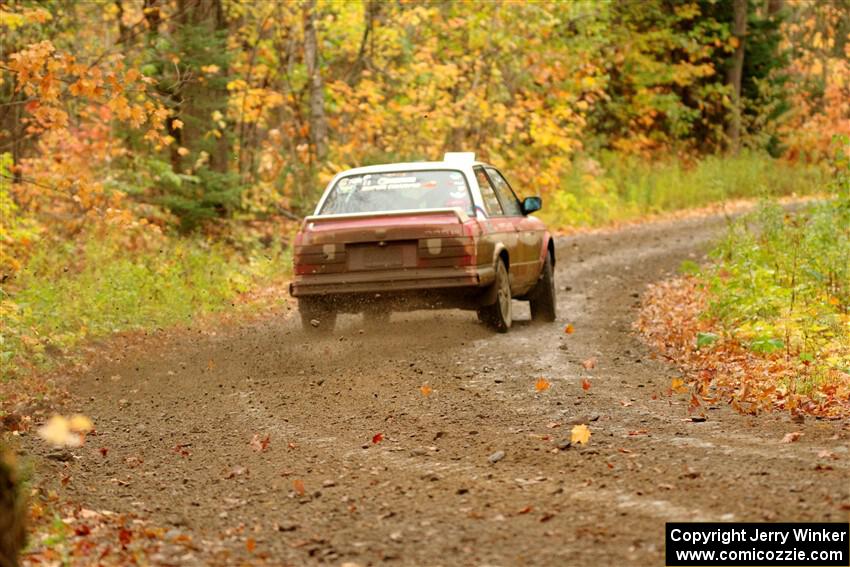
429	234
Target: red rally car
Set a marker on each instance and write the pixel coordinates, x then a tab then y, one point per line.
448	234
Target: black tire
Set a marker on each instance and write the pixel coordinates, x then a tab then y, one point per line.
499	316
542	297
316	317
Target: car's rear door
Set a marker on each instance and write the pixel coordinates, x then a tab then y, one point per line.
529	235
496	227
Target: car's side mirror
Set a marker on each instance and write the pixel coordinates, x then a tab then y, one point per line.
531	204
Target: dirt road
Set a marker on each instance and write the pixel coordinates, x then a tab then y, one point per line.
178	420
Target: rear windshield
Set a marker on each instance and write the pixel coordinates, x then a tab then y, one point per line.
397	191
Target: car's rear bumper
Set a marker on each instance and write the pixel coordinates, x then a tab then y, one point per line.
387	281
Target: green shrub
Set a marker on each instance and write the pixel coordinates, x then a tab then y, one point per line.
782	282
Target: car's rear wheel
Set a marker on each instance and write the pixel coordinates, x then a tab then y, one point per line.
542	297
499	315
316	316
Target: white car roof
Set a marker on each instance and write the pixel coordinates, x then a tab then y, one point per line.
412	165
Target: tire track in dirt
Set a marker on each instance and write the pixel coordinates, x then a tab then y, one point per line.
427	493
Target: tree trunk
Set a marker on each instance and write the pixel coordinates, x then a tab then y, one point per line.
370	12
123	30
318	124
734	76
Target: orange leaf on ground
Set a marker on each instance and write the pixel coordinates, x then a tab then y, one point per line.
694	403
426	390
298	486
250	544
260	445
678	386
542	384
585	384
377	438
590	363
791	437
580	434
569	329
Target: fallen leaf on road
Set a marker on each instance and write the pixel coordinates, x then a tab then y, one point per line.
104	451
250	544
62	432
569	329
694	404
827	455
542	384
580	434
181	449
585	384
80	423
526	510
377	438
678	386
625	404
590	363
298	486
260	444
791	437
236	471
426	390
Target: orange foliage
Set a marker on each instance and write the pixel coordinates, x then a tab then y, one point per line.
670	319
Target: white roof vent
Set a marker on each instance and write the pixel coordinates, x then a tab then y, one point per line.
459	157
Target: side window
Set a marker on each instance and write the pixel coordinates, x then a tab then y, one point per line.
488	194
510	204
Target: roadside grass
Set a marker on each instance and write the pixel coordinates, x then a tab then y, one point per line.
767	324
620	188
76	290
784	285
